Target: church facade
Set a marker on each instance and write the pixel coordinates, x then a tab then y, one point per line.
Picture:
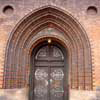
50	49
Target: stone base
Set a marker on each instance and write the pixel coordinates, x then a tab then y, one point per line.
22	94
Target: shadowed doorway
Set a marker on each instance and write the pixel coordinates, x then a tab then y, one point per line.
49	72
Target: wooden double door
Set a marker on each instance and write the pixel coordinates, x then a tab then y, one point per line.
49	76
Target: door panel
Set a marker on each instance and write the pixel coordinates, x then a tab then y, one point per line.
56	84
41	83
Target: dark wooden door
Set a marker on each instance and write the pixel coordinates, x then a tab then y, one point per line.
49	75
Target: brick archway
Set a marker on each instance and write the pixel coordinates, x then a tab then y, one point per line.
28	32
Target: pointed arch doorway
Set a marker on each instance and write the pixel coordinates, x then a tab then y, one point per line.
42	23
49	72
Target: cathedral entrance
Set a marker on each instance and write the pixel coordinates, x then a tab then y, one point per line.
49	73
48	68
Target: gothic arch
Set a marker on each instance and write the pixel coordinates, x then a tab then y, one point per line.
28	33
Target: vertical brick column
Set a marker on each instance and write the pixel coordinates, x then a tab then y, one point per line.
3	41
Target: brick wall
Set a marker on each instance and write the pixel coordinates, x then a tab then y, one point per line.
90	20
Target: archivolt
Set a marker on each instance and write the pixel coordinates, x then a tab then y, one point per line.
21	40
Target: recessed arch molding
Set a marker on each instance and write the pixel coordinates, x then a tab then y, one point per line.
38	25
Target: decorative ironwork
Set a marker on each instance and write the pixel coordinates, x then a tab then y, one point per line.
57	92
57	74
40	74
57	53
40	91
41	53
